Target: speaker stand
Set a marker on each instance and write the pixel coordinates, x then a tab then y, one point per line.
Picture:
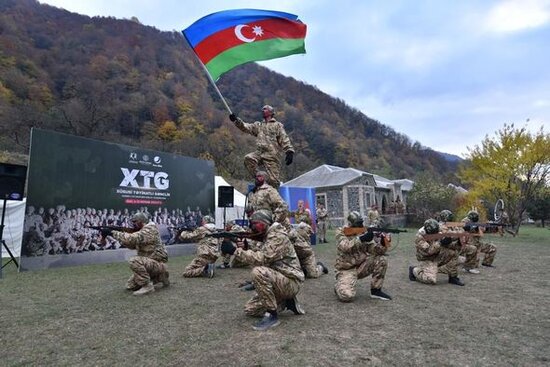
2	238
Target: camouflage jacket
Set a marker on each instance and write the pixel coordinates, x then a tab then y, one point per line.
276	252
271	135
322	214
302	216
146	241
426	250
300	238
267	197
373	218
351	252
456	244
208	246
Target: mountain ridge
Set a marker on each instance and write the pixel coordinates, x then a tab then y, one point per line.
120	81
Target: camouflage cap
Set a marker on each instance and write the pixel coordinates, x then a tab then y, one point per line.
446	215
262	215
431	226
208	219
355	219
473	216
140	217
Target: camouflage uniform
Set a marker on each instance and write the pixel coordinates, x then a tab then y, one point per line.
271	139
267	197
149	264
207	250
302	215
433	258
487	248
322	215
467	250
357	260
299	237
276	275
373	218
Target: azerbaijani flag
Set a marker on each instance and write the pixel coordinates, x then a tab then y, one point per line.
229	38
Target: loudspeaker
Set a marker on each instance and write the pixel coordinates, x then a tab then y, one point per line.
12	181
225	196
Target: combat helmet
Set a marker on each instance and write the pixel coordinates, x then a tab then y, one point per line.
446	216
262	215
431	226
473	216
140	217
208	219
355	219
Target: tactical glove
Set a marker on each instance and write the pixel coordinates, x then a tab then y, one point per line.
106	232
228	248
233	117
367	237
289	157
446	241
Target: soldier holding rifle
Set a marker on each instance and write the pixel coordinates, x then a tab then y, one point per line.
436	253
277	276
357	258
148	266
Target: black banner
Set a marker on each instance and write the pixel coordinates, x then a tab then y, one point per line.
75	183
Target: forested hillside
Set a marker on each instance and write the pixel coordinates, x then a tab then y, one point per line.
120	81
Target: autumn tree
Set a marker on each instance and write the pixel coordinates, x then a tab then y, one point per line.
429	197
511	166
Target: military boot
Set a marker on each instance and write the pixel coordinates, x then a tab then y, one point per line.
322	268
269	320
163	281
148	288
293	305
456	281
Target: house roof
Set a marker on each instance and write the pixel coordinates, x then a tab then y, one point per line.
327	175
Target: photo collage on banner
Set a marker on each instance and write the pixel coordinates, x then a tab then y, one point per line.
75	183
293	195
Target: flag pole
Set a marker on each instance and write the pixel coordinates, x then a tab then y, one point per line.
209	76
215	86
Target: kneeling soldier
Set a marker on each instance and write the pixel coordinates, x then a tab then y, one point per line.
359	257
207	250
277	276
434	255
149	264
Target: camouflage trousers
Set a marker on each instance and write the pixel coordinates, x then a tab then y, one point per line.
470	253
446	262
489	250
346	280
272	290
308	262
322	230
271	163
196	267
145	269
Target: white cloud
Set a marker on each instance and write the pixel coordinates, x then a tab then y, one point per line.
516	15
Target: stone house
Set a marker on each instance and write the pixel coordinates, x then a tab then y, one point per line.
343	190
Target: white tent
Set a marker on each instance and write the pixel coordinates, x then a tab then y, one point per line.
236	212
13	230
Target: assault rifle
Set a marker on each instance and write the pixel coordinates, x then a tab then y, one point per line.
234	235
438	236
473	227
180	229
115	228
357	231
112	228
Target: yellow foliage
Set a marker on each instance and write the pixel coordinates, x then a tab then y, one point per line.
510	166
169	132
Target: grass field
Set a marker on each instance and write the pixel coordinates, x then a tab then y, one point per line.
82	316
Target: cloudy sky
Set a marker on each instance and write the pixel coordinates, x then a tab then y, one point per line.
445	73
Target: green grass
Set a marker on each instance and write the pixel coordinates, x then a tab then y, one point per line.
83	316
